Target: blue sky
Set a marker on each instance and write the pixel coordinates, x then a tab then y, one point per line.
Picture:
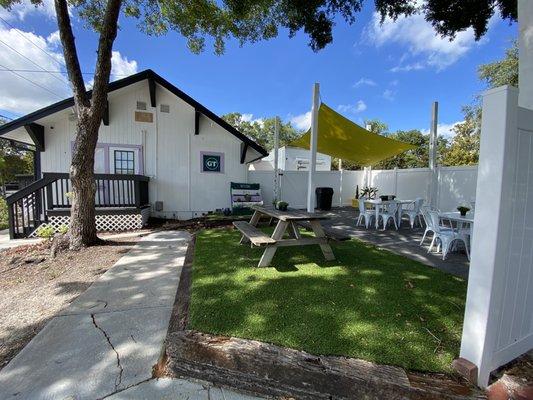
391	72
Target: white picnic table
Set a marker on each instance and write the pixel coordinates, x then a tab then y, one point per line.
378	203
286	219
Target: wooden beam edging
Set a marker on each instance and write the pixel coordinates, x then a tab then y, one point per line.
267	369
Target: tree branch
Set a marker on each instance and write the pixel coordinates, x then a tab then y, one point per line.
108	34
71	54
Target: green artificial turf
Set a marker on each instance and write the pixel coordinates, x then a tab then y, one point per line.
369	303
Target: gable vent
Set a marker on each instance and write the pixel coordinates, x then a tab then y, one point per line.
141	105
165	108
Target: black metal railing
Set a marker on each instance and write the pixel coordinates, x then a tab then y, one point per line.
27	207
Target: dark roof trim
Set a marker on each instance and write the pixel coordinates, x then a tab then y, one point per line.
121	83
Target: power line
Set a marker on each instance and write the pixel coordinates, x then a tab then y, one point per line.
6	117
32	42
33	62
32	82
52	71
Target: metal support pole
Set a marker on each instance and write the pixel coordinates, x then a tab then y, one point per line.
432	187
313	146
276	160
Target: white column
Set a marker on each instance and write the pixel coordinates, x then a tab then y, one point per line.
492	229
276	160
525	49
433	178
313	145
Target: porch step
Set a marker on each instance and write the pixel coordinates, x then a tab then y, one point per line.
253	234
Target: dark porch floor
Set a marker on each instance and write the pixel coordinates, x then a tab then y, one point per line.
404	241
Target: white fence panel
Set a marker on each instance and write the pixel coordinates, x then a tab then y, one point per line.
413	183
350	181
384	180
457	185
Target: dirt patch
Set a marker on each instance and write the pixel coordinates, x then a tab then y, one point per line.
34	287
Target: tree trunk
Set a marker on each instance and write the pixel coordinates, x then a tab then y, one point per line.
82	215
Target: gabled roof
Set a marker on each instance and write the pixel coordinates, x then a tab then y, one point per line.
121	83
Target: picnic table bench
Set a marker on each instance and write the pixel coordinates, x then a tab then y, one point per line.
286	220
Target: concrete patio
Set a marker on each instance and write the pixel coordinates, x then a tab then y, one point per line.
404	241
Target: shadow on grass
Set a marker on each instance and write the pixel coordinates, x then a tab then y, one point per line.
368	303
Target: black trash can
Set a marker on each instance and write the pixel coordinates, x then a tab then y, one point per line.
324	195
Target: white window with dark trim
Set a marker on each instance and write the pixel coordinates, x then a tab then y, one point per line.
124	162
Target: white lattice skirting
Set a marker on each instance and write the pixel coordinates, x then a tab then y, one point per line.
113	223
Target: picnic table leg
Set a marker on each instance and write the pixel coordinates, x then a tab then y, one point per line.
269	252
319	233
293	231
253	221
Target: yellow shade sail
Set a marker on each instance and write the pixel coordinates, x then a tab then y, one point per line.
339	137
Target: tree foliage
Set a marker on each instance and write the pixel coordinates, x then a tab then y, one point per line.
464	147
262	131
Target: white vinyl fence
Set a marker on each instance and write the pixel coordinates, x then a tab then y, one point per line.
456	185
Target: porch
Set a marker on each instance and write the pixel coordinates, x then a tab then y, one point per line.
122	203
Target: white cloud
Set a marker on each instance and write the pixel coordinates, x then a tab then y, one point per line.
364	82
25	7
121	66
423	46
250	118
388	95
19	96
53	39
358	107
301	122
408	67
444	130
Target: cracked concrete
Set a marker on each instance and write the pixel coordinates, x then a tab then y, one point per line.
107	341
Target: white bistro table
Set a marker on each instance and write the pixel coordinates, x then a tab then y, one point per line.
456	216
378	203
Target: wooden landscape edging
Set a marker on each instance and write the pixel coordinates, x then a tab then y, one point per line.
266	369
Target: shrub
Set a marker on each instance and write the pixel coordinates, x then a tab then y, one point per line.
4	222
63	229
45	231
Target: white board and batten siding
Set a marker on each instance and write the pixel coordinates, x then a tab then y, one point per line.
170	155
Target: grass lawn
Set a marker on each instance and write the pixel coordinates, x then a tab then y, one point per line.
369	303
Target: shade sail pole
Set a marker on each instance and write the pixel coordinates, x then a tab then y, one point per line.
313	145
433	184
276	160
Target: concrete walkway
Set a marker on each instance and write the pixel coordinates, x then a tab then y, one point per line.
105	343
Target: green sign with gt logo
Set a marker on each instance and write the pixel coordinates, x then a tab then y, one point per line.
211	163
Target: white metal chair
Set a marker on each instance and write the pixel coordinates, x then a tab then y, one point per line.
427	222
390	211
414	212
445	238
364	213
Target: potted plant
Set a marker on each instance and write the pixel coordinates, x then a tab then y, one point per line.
282	205
369	192
463	210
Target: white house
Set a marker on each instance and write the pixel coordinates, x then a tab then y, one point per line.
292	159
158	150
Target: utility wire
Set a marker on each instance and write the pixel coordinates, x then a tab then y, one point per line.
6	117
52	71
32	82
61	64
33	62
